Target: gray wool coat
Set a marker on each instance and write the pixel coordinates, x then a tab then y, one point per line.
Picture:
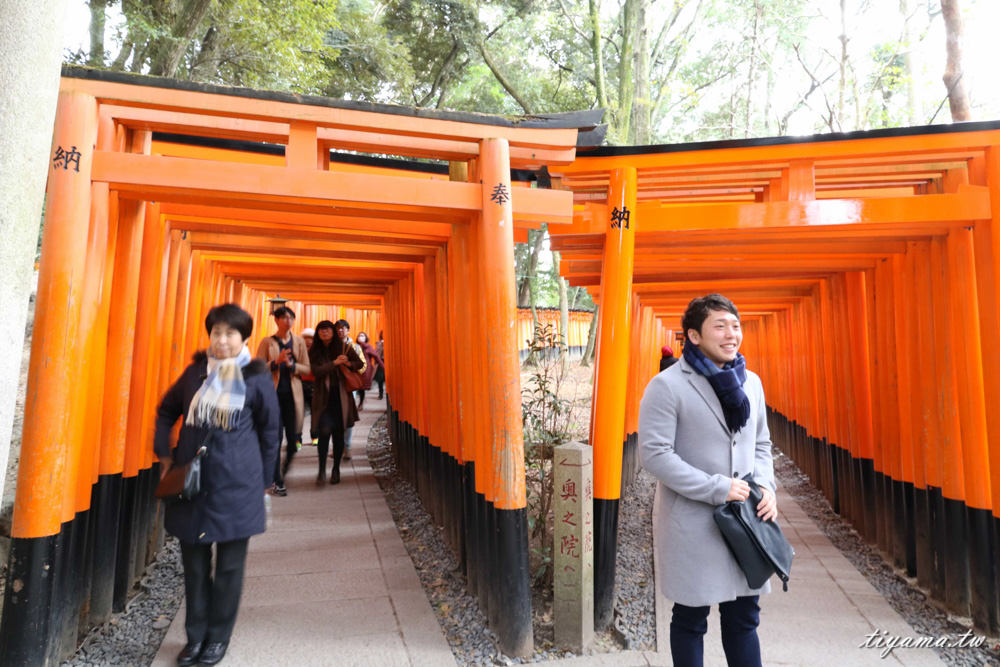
684	443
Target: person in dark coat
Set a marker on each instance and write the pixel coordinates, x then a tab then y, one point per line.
333	409
374	361
229	406
380	373
667	359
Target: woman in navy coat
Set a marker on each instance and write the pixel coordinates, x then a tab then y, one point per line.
228	403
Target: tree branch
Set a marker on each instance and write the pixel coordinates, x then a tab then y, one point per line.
502	79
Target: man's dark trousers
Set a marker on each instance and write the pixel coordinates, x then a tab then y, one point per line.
286	403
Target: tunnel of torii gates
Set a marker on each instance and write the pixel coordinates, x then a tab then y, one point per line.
852	257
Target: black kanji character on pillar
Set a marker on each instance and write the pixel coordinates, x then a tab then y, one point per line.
619	217
500	194
63	158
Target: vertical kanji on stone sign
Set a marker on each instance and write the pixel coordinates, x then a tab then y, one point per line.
573	550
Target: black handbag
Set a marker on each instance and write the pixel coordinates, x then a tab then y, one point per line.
182	482
759	546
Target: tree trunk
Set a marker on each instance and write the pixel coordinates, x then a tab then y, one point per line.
588	353
843	65
572	299
504	81
97	17
758	16
626	81
119	63
524	290
563	314
206	61
958	97
641	105
908	69
597	50
172	48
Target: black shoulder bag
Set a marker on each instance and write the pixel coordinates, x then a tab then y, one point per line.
759	546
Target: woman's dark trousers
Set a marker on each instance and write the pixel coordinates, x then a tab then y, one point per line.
739	619
286	403
327	429
212	598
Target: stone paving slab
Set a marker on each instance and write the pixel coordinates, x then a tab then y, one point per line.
330	582
824	617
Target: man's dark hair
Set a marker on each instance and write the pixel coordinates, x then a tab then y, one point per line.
342	323
698	310
233	315
281	312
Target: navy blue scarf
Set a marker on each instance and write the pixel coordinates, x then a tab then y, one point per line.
727	383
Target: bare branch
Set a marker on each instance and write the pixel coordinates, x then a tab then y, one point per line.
569	19
826	100
507	85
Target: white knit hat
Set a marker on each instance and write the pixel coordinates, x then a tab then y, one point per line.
309	331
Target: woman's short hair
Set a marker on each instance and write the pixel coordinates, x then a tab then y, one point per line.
360	334
232	315
698	310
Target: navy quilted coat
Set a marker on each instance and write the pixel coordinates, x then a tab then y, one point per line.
239	465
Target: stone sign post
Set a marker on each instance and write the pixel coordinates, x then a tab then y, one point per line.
573	551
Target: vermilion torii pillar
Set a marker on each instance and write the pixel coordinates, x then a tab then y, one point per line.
495	237
607	421
46	450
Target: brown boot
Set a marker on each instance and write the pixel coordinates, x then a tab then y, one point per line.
321	477
335	476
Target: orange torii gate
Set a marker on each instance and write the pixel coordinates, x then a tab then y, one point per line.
145	231
865	267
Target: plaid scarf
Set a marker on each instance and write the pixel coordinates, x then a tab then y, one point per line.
727	383
219	400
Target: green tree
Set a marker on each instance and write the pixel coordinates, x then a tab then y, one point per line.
272	44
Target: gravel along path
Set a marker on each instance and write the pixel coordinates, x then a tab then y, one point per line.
133	636
899	591
458	612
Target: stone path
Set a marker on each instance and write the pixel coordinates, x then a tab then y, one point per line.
330	582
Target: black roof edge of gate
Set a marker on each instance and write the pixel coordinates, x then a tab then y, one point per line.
586	120
949	128
336	156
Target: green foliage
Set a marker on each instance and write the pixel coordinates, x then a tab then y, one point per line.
369	63
272	44
548	420
716	68
277	44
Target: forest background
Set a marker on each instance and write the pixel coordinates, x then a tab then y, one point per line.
664	70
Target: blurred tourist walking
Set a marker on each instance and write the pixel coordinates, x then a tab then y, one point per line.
374	360
380	373
289	360
231	409
333	409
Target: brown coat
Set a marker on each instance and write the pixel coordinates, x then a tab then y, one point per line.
268	351
327	377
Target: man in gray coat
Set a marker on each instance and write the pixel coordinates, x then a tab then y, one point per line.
703	426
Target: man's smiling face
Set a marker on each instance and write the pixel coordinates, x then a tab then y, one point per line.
720	337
